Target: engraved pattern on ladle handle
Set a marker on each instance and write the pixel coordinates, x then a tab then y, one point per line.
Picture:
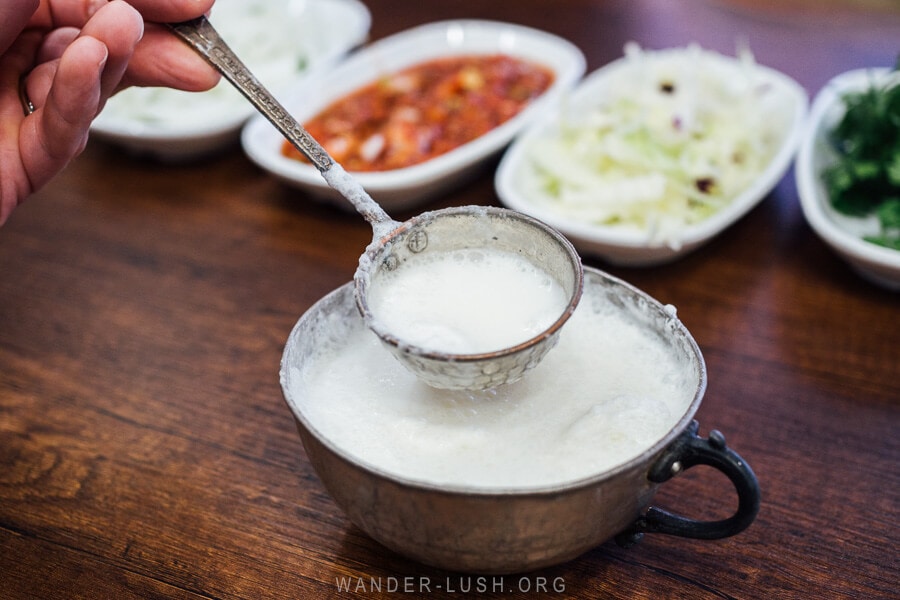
203	37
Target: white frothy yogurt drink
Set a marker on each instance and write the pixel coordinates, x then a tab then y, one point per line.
466	301
609	390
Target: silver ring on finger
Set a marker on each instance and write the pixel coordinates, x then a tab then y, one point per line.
27	104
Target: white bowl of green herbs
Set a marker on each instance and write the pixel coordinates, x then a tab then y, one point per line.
848	171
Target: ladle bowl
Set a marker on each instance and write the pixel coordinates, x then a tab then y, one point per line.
472	227
467	227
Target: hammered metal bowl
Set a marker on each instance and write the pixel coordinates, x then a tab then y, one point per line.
496	531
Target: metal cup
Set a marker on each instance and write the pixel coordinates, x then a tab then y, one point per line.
485	531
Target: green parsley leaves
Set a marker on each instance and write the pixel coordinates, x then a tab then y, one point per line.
866	178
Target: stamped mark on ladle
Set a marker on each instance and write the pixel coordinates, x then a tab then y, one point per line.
418	241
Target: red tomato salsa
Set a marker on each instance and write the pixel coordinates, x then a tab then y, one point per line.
425	110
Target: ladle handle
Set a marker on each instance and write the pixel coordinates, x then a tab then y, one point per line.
203	37
200	34
686	451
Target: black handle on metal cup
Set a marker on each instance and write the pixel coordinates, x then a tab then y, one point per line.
686	451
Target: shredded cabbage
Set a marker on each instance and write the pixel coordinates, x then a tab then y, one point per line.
674	137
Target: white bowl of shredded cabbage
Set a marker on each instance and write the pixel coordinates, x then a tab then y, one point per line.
281	41
656	153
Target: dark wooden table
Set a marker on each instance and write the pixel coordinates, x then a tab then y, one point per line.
146	451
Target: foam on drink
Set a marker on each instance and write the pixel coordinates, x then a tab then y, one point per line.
466	301
608	391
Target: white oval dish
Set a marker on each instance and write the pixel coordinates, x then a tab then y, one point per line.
279	40
843	233
401	189
634	246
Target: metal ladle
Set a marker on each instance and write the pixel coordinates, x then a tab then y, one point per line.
437	231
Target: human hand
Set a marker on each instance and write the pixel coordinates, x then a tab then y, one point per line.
69	57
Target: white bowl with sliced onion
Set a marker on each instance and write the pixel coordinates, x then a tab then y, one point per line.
657	153
398	189
281	41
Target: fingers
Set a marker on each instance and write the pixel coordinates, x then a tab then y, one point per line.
64	13
119	27
55	43
164	60
116	25
75	13
14	15
172	11
77	72
73	55
58	131
14	182
40	78
160	58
